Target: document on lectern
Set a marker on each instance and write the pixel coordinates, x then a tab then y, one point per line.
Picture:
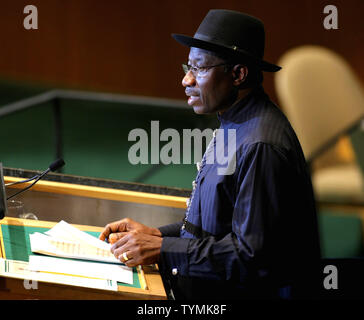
82	269
66	241
22	270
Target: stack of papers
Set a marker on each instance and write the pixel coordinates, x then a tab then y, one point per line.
66	241
82	269
21	270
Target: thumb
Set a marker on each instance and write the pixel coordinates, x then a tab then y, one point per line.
113	237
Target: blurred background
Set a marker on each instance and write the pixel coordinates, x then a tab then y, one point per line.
94	70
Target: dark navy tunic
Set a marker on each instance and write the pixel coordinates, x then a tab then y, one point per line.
253	231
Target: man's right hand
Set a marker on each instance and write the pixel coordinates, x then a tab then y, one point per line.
118	229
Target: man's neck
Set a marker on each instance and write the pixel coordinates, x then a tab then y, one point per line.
240	96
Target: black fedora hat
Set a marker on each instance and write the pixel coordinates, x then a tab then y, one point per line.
233	34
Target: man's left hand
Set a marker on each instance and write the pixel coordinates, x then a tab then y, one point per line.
139	248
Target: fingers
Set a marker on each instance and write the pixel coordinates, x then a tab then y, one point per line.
127	257
125	248
122	251
136	248
107	230
113	237
114	227
104	234
120	245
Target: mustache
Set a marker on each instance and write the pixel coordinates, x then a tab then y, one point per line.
191	92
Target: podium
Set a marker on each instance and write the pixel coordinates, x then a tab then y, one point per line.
15	246
87	203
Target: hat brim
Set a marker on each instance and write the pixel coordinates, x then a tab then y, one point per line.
218	48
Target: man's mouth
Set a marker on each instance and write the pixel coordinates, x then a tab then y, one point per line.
193	97
192	100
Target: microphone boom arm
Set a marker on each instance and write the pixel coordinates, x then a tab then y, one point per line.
54	166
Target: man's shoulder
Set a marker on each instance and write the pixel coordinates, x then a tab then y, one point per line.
267	124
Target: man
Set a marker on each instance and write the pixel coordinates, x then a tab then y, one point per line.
251	233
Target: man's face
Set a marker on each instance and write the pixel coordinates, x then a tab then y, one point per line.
212	92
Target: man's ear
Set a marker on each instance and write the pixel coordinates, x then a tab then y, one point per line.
240	73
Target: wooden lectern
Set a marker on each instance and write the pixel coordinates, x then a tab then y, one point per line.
15	246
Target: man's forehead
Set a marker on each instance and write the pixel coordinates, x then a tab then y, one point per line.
202	55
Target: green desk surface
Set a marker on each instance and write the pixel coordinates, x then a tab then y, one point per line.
17	246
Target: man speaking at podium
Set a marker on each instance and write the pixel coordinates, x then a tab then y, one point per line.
252	233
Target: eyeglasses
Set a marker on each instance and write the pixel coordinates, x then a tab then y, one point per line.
199	71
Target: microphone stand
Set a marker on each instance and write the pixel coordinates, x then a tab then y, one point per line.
54	166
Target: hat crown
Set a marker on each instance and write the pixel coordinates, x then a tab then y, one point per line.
233	35
233	29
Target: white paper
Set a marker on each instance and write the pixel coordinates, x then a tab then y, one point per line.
66	241
63	230
96	270
20	270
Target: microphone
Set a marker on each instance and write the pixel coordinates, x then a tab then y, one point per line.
52	167
56	165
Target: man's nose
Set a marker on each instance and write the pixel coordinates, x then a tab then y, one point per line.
189	79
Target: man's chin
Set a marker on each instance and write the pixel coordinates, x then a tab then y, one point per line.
200	110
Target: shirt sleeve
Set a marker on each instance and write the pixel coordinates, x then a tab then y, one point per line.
171	230
259	197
